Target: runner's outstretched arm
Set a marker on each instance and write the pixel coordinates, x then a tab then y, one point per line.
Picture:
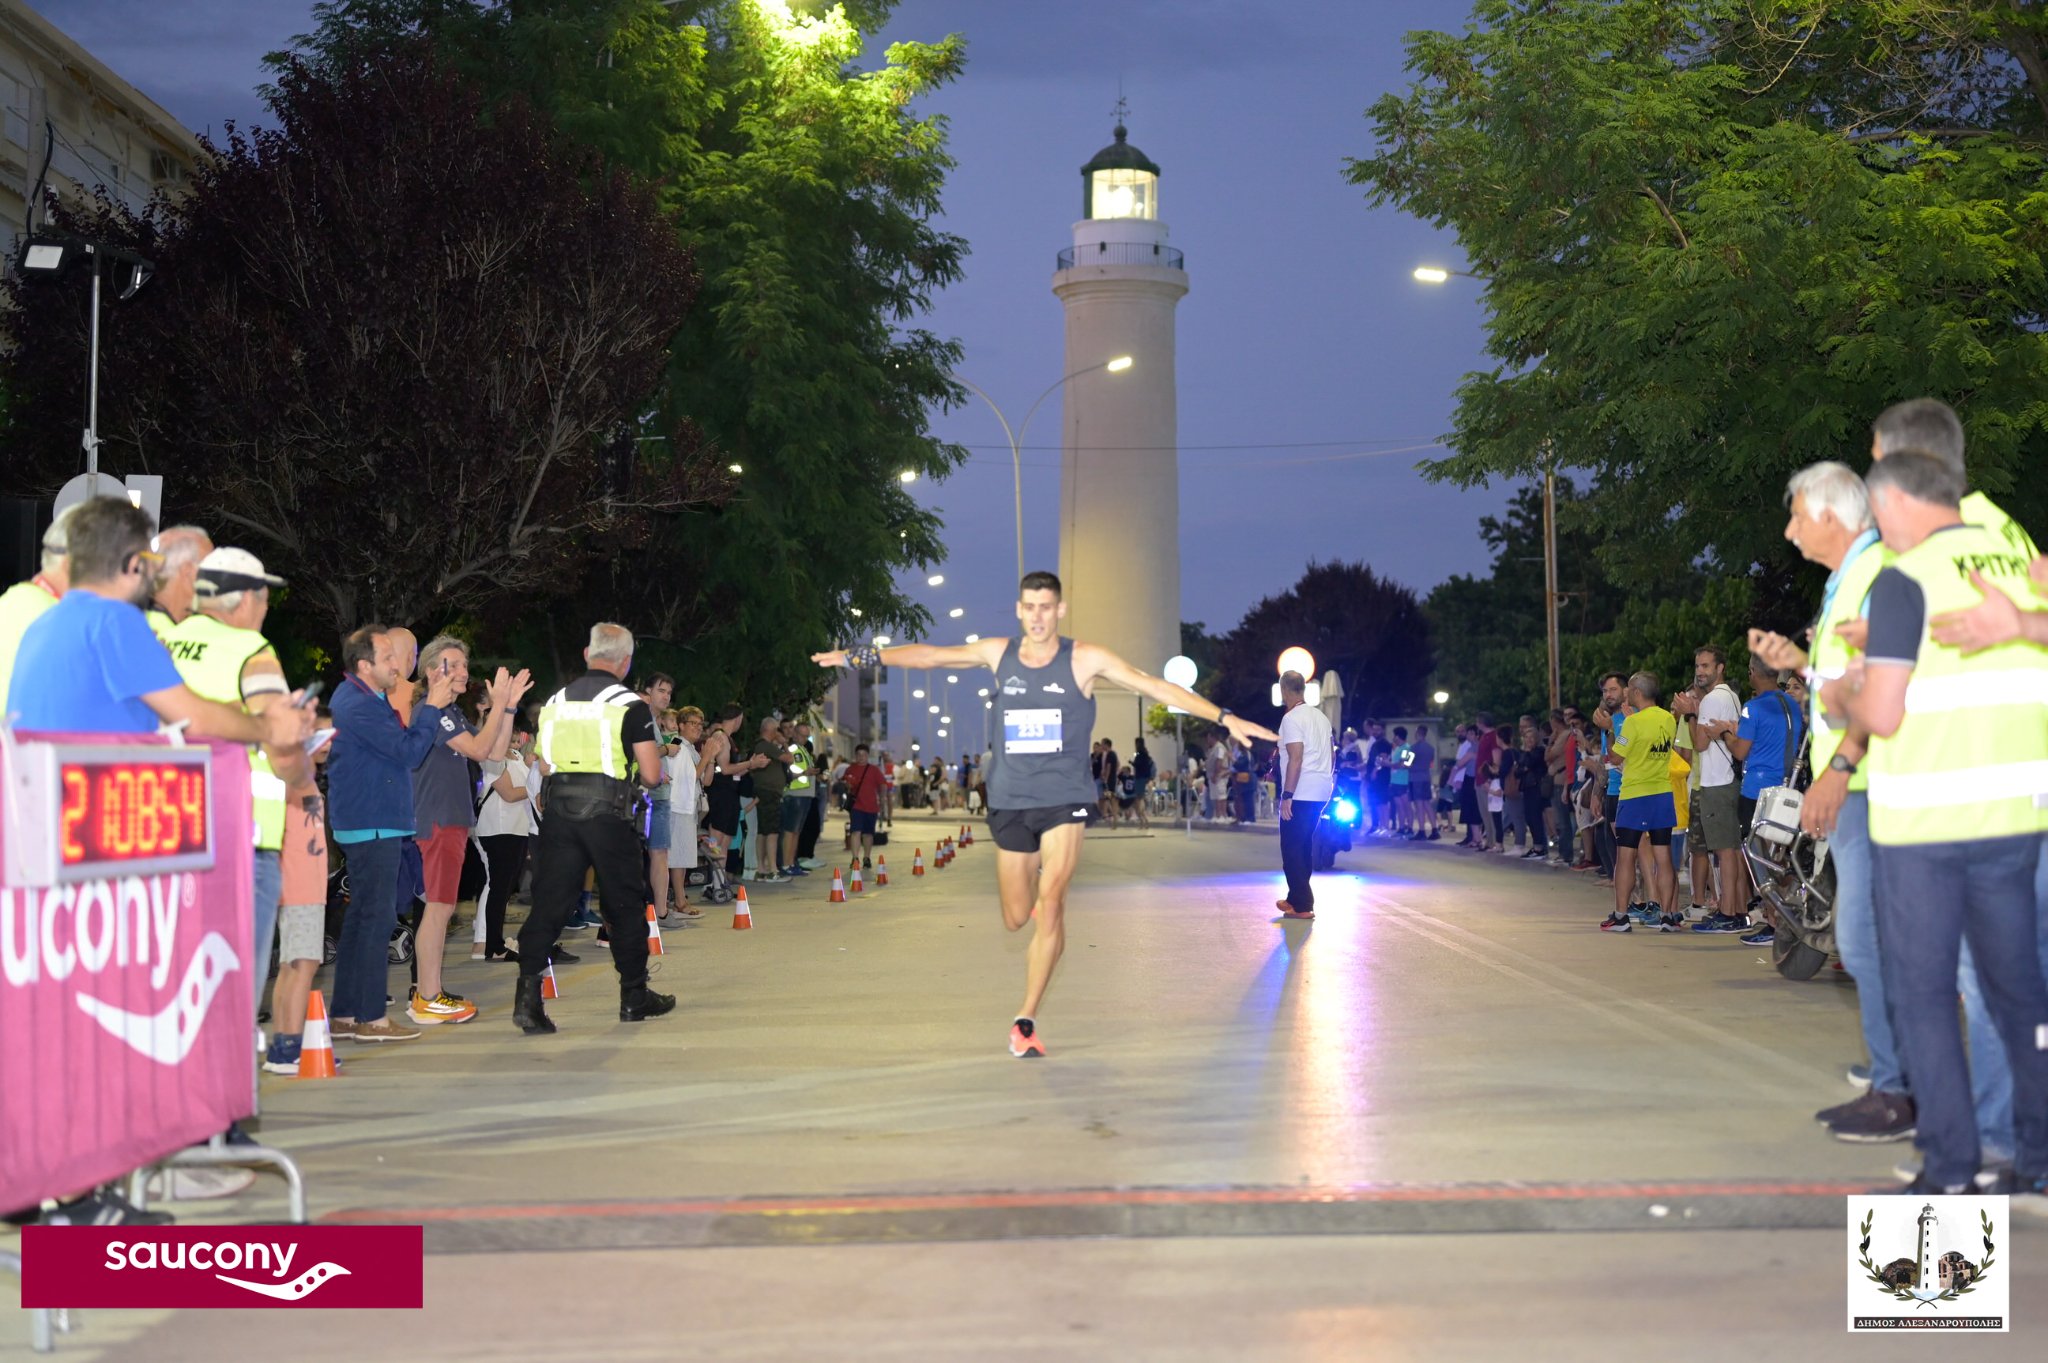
981	653
1091	661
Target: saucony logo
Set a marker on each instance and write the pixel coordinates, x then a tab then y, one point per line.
167	1035
298	1288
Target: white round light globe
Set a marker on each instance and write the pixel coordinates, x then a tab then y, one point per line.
1298	659
1180	670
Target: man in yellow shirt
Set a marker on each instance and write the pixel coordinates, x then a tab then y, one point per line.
1645	811
23	603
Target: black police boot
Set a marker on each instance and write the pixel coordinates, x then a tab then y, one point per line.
637	1003
528	1012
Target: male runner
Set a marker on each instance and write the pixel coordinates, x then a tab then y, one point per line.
1039	789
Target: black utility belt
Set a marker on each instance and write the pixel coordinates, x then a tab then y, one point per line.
588	795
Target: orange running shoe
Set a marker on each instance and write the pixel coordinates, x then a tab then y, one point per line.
1024	1042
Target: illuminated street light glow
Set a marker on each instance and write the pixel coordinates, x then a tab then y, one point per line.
1432	274
1442	698
1298	659
1119	364
856	612
908	475
935	580
957	612
734	467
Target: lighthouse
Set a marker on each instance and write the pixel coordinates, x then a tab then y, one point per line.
1119	284
1929	1279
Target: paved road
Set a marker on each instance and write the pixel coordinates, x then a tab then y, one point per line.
1278	1140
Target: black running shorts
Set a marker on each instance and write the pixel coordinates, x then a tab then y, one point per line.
1020	830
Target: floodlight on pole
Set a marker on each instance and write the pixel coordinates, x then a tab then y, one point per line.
1298	659
1115	365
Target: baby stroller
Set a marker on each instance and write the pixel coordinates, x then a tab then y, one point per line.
710	873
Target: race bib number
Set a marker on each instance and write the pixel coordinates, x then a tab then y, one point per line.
1027	731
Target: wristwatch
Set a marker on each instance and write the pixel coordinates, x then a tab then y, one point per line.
1221	714
1841	764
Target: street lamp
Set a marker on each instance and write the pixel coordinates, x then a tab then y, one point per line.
1442	698
1116	365
1299	659
956	612
908	475
1433	274
935	580
50	254
1180	669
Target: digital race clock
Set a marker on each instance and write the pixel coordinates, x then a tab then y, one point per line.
91	811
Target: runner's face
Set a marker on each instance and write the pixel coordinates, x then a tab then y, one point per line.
1040	612
1706	673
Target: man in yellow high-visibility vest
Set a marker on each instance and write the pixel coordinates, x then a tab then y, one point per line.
1958	764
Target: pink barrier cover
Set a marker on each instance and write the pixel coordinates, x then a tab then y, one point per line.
127	1021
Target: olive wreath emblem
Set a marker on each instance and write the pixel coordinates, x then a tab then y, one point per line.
1903	1295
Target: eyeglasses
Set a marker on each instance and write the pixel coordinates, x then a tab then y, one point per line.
150	559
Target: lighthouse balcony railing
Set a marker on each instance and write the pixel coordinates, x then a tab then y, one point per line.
1121	253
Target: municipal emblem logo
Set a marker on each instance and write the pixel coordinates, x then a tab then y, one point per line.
1928	1264
1014	686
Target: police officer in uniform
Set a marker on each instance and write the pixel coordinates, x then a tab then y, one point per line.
600	740
221	653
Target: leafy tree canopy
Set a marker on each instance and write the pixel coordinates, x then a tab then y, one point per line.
1371	631
804	187
1719	236
367	358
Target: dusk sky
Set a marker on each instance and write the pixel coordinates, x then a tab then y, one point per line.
1313	371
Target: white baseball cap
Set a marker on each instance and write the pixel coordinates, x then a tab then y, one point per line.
233	570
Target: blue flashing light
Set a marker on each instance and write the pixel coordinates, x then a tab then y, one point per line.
1344	811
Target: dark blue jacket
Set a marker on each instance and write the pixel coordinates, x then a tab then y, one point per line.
369	774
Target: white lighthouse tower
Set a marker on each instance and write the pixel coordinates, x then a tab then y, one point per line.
1120	469
1930	1258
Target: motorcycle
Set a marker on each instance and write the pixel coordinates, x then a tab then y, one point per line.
1795	877
1338	827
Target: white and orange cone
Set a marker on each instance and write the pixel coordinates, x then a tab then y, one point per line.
654	947
742	916
855	884
917	862
838	895
881	870
316	1047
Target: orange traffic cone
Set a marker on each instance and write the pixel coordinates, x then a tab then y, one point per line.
917	862
965	840
653	934
856	886
316	1049
548	988
970	835
838	895
881	870
742	916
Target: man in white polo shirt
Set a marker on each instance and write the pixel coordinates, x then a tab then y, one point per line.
1307	780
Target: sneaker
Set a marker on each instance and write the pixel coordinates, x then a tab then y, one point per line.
1698	913
809	863
772	878
794	871
1875	1119
443	1007
1617	922
1722	923
1024	1042
867	863
1859	1076
1672	922
1996	1178
199	1184
102	1207
561	955
1647	915
1533	853
1762	937
283	1055
383	1029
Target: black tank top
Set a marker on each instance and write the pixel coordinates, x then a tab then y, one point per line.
1044	725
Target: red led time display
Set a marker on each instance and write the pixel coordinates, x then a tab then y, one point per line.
131	811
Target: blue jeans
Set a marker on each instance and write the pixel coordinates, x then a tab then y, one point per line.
1930	900
1856	939
269	884
362	960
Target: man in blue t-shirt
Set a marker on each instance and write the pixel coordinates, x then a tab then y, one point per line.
1765	739
90	664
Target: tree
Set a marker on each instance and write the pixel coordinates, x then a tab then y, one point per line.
806	189
1719	236
402	346
1371	631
